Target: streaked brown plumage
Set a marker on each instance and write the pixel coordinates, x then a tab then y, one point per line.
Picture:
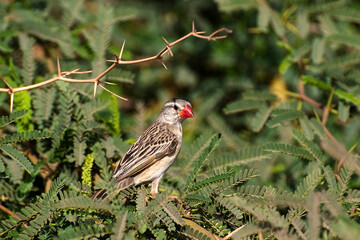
154	151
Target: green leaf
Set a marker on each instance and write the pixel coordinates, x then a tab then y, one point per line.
210	180
25	136
286	115
197	198
303	24
308	145
315	82
79	150
300	52
242	105
260	118
172	212
351	41
346	13
324	6
310	182
258	96
200	162
330	179
4	120
317	127
233	209
18	157
291	150
348	97
28	62
277	24
284	65
241	157
306	127
340	62
344	111
318	50
2	166
5	48
263	17
234	5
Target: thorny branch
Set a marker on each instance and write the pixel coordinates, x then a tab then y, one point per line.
63	76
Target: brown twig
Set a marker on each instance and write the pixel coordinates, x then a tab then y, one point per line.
62	76
4	209
301	90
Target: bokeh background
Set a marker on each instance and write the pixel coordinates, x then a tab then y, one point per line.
239	86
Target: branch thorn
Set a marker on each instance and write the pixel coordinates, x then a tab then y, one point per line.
162	62
113	93
95	86
109	83
58	67
121	52
168	47
11	102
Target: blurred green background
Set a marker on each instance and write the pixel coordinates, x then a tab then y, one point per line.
278	52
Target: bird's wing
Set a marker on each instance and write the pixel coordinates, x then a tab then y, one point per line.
152	145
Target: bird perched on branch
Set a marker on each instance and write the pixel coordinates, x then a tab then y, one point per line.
154	151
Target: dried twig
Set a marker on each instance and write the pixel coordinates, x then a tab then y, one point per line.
62	76
4	209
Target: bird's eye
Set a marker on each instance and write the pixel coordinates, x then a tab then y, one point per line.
176	107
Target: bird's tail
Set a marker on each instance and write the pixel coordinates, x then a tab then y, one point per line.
122	184
101	194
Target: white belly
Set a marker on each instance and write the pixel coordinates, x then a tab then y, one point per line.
155	170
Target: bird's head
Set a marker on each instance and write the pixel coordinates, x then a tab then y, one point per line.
176	110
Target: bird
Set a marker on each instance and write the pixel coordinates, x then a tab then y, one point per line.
154	151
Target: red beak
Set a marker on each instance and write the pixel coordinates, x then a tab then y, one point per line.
186	112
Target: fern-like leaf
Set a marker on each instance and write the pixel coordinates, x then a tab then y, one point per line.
200	162
223	201
308	145
286	115
210	180
242	157
197	198
119	227
4	120
84	232
287	149
259	95
54	190
170	209
28	62
25	136
18	157
196	148
232	139
346	39
306	127
310	182
195	231
240	177
317	127
260	118
242	105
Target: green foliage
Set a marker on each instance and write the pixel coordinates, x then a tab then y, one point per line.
86	169
273	150
4	120
200	162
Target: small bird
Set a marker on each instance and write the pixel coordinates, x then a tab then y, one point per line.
154	151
